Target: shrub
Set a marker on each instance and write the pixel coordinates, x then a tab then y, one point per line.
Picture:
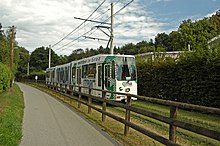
194	78
41	75
4	77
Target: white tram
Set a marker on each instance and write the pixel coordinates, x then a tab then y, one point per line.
105	71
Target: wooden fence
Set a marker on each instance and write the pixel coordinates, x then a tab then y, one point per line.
171	120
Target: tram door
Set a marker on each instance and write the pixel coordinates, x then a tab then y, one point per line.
78	77
74	77
99	79
109	78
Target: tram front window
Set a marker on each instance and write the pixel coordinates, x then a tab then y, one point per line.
125	69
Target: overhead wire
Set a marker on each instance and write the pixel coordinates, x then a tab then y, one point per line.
80	24
77	41
73	40
81	29
84	38
79	36
93	27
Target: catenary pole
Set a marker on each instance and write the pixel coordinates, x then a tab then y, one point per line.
49	56
112	30
11	55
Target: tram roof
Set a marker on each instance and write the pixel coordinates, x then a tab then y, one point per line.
98	58
91	59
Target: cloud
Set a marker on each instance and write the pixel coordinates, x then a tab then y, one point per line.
44	22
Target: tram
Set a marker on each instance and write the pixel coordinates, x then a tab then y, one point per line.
111	72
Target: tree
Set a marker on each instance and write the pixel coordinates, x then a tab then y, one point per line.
175	41
76	55
128	49
144	46
39	59
162	40
55	59
4	49
24	58
102	50
186	31
63	59
199	32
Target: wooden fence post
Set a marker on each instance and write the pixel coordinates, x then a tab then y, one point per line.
71	92
71	89
103	105
89	101
127	115
172	129
61	88
79	103
65	88
56	87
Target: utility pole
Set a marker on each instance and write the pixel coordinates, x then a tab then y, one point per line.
112	30
49	56
28	68
11	54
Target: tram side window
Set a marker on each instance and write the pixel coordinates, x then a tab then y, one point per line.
68	77
66	74
99	76
53	74
85	71
80	73
47	74
78	76
92	71
50	76
61	75
113	69
133	72
58	75
73	72
107	75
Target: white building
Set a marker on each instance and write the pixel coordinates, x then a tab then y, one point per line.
153	55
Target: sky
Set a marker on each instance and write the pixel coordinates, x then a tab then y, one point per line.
45	22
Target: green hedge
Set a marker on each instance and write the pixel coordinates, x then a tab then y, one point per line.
41	75
194	78
4	77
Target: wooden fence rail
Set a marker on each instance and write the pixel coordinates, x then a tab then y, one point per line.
171	120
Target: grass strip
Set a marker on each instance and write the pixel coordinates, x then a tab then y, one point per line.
11	115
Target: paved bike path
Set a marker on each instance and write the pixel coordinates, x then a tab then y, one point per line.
48	122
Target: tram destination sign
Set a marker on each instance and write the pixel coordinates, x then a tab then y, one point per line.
89	60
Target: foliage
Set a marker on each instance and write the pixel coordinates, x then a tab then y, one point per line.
23	59
194	78
11	113
197	34
15	61
4	49
4	77
39	59
41	75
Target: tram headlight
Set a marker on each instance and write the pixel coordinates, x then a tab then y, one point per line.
127	90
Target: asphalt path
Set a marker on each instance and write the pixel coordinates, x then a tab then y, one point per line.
48	122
